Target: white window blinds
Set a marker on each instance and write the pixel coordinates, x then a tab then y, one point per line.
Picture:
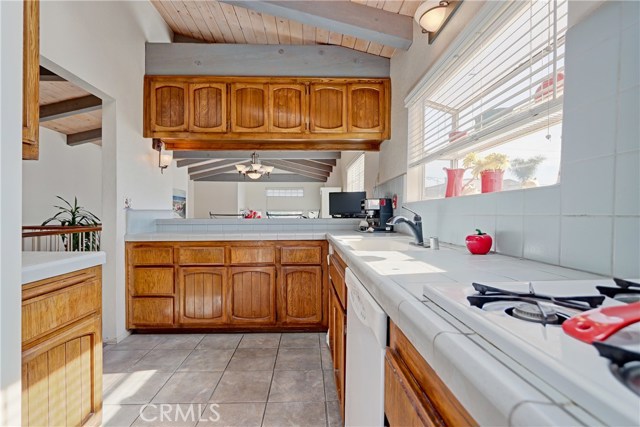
504	81
355	175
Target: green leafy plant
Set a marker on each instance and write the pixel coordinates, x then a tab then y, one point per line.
76	216
492	162
525	169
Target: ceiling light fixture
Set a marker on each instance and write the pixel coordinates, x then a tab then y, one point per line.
255	170
164	158
433	15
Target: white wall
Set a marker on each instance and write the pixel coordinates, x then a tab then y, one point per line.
63	171
100	47
10	211
591	221
217	197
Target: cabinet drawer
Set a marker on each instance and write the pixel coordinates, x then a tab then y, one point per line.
253	255
43	314
152	281
301	255
204	255
336	275
151	255
151	311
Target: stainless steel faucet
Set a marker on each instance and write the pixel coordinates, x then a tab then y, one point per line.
415	225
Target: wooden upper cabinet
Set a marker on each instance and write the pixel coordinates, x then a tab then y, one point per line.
30	79
168	106
328	108
288	108
249	107
208	107
202	295
301	295
252	295
366	107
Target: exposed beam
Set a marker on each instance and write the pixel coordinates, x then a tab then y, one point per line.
215	171
49	76
297	145
292	167
69	107
213	165
79	138
295	170
188	162
280	177
244	155
346	17
220	59
311	165
330	162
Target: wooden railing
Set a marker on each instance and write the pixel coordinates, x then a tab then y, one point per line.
57	238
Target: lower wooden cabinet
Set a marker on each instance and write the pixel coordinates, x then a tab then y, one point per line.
252	295
338	324
301	295
62	351
202	295
414	395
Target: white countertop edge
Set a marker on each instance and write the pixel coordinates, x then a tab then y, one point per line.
43	265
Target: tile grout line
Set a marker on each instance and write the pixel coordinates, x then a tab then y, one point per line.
273	373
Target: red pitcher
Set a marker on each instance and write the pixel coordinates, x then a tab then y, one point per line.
454	182
491	180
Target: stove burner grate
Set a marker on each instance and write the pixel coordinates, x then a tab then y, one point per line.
627	291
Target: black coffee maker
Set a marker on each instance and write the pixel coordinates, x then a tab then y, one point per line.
378	212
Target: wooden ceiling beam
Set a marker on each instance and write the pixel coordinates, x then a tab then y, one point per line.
311	165
213	172
213	165
69	107
345	17
92	135
330	162
245	155
299	170
188	162
279	177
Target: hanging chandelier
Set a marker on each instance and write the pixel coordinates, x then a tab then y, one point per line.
255	170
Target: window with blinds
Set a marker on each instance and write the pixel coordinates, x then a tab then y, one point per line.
501	84
284	192
355	175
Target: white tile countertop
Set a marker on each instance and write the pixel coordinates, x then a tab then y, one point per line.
42	265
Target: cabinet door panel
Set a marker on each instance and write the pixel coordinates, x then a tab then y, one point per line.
202	295
62	376
366	107
328	108
30	79
208	107
152	281
338	319
151	312
168	107
252	295
301	295
300	255
249	105
288	110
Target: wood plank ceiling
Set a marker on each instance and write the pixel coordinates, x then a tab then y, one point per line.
81	125
216	22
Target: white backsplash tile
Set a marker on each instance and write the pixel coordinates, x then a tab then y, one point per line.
586	243
511	203
627	193
587	187
508	238
542	238
630	57
590	141
630	13
626	251
542	201
628	124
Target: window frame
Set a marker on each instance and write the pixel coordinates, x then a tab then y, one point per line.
358	162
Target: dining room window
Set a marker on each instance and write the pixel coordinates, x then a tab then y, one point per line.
355	174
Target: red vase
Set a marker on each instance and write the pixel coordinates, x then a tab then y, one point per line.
491	181
454	182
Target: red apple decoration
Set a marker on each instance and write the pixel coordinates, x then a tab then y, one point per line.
479	243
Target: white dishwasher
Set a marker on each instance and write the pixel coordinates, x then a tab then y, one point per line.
366	343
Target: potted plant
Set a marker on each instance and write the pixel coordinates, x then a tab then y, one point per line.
77	216
490	169
525	170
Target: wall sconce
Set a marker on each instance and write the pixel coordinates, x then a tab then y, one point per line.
164	158
433	16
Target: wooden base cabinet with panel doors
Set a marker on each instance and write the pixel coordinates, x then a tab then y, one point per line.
414	394
197	111
235	285
338	323
62	350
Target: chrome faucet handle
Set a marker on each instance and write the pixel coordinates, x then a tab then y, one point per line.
416	216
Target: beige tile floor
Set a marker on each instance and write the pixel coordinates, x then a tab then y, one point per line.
220	380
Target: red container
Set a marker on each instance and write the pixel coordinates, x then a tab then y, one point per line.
491	180
454	182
